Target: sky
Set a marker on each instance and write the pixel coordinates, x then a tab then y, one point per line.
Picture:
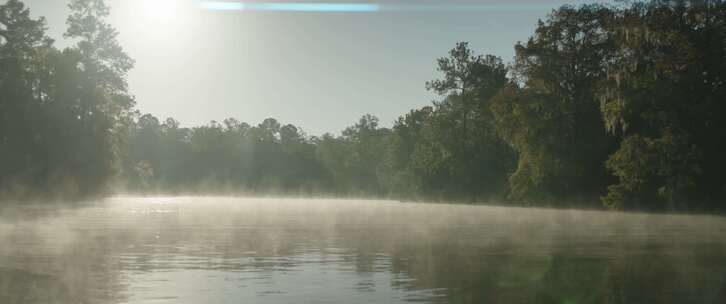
302	63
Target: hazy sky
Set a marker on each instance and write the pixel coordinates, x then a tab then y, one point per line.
319	71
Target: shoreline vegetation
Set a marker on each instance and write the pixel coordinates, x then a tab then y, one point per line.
615	107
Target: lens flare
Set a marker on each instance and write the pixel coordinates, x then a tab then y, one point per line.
372	7
291	7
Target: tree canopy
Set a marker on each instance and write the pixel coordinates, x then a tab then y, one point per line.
604	105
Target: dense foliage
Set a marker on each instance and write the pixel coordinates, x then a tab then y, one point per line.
61	111
615	105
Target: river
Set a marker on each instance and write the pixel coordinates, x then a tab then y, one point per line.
270	250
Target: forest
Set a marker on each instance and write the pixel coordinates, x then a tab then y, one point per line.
604	106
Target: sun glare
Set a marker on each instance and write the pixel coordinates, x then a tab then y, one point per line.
160	12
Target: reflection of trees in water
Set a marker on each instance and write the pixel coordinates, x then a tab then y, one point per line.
84	271
20	286
476	277
695	277
465	267
571	266
461	255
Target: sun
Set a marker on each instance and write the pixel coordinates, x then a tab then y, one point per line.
160	12
154	21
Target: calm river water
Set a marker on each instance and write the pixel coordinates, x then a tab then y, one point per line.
237	250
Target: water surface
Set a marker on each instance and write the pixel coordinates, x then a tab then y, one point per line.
235	250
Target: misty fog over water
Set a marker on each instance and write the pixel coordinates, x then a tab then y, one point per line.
240	250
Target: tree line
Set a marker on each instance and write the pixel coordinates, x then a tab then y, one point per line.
62	111
615	105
